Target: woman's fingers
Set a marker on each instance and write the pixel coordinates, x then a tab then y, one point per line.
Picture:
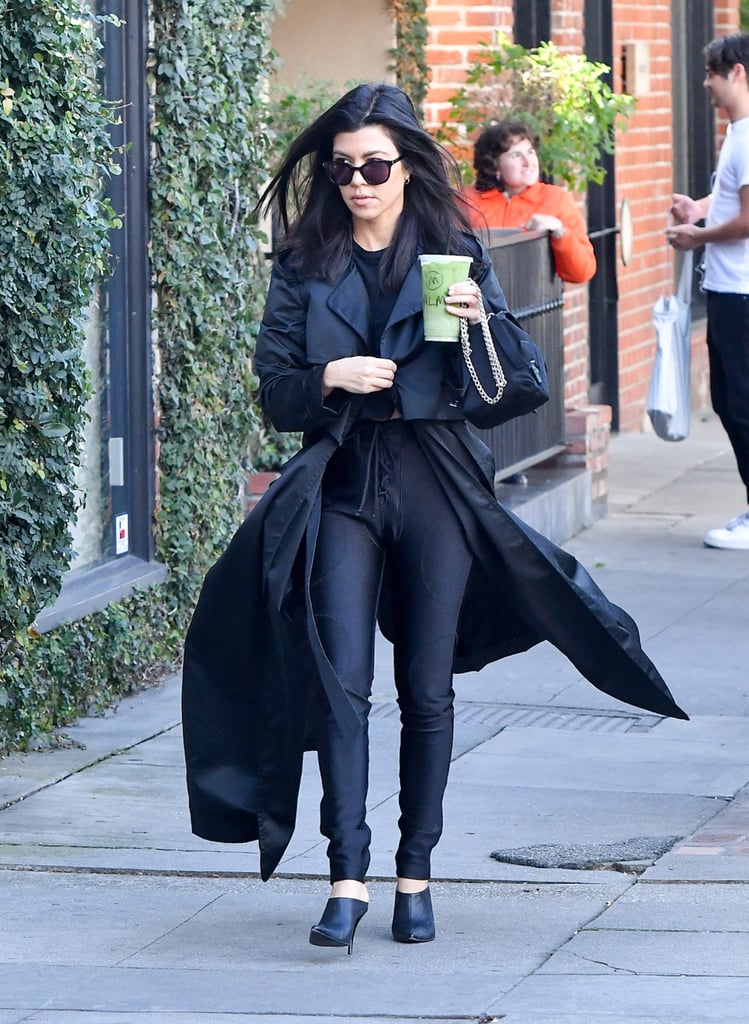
464	299
360	374
544	222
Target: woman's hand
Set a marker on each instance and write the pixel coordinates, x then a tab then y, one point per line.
545	222
359	374
463	300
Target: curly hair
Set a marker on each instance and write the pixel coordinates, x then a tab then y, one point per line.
491	144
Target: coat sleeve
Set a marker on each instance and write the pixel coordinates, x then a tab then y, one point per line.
486	278
291	388
574	258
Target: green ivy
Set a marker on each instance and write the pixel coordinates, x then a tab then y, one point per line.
209	62
210	160
55	152
409	54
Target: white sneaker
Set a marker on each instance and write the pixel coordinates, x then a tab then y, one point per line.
733	536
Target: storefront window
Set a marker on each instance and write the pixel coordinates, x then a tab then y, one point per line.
112	536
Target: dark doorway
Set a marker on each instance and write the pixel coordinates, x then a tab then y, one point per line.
602	291
692	27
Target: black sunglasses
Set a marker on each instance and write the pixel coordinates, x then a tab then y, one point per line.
374	172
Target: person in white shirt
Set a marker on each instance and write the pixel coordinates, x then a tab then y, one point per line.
725	235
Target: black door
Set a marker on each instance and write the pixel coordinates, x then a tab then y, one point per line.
602	291
692	27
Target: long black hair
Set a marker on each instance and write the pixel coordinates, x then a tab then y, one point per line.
317	223
491	144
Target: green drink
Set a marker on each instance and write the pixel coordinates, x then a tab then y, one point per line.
437	274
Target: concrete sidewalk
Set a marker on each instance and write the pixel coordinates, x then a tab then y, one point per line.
619	883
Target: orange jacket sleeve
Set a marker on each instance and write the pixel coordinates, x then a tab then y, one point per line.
574	257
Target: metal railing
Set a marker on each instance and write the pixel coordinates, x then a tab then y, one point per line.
524	265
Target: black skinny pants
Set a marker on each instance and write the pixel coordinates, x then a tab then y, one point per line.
728	352
383	510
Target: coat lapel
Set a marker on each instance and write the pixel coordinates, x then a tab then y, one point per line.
404	333
348	300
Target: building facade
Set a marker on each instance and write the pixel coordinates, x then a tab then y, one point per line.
654	52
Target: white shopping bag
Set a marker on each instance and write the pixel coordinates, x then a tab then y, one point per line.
669	396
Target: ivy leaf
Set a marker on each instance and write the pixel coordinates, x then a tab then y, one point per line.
54	430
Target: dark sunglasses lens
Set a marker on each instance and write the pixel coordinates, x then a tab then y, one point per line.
375	172
340	172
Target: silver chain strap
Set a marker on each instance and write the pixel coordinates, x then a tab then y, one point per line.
496	367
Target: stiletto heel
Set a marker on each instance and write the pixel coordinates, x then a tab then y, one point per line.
339	922
413	919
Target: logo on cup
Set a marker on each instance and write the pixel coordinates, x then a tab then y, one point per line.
434	280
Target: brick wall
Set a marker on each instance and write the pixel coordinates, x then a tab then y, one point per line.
644	161
455	31
588	429
643	168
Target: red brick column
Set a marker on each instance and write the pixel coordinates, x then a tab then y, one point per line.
588	429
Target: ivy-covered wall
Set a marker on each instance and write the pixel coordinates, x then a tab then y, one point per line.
207	70
209	66
409	54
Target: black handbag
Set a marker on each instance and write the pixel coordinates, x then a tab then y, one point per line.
510	358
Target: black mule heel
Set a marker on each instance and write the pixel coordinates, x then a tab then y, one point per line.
339	922
413	919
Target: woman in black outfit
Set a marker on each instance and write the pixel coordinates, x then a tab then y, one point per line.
387	514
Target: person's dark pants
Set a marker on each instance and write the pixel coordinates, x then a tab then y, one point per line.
728	351
384	511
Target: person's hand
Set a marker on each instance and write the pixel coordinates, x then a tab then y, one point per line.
684	209
684	236
359	374
463	300
545	222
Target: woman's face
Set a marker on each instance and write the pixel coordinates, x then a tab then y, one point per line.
518	166
374	206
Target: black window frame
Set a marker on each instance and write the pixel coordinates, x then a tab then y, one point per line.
531	22
125	304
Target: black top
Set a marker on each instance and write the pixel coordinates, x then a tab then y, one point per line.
378	406
380	303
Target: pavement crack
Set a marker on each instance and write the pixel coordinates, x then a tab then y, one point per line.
84	767
170	931
604	963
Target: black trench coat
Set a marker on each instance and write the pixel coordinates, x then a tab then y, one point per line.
252	652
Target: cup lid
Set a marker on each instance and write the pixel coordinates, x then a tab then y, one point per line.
443	258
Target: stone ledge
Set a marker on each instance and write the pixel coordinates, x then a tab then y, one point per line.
554	500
